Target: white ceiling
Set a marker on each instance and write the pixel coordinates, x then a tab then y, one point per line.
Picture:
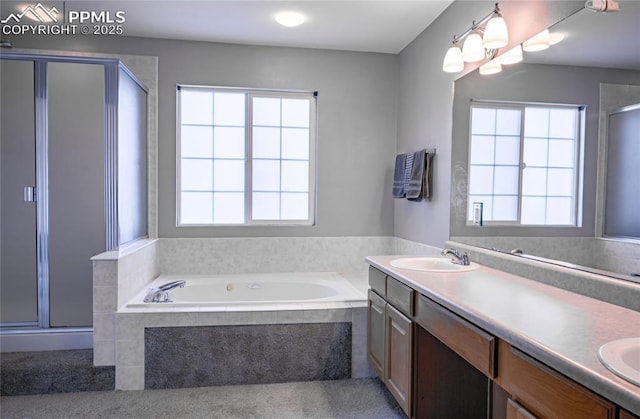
364	25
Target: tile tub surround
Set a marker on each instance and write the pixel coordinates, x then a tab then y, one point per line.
131	325
561	329
211	256
117	276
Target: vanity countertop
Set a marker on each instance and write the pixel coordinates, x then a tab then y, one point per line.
560	328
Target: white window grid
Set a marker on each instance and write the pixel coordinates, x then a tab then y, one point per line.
248	157
576	166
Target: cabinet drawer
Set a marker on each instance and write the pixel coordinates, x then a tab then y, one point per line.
545	392
400	295
377	281
470	342
626	415
516	411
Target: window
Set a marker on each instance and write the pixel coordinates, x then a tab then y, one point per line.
524	163
245	156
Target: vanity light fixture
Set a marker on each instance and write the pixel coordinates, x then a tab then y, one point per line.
513	56
495	33
555	37
492	67
472	49
453	62
290	19
481	41
538	42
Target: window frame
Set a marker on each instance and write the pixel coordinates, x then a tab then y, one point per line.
578	161
249	94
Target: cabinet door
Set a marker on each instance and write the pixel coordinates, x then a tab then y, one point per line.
399	357
376	333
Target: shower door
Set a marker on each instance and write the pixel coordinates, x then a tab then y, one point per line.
52	207
18	258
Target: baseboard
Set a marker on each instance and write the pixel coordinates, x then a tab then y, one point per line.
45	340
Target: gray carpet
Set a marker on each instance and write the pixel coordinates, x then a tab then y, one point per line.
355	398
23	373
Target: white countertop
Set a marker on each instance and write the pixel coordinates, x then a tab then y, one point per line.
561	329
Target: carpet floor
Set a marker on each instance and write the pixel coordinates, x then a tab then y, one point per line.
354	398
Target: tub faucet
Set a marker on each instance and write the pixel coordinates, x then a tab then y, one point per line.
459	258
161	294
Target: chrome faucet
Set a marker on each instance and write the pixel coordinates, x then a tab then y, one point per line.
161	294
459	258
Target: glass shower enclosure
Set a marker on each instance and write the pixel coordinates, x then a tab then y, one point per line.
73	184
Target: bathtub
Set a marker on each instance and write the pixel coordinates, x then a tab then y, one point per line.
260	289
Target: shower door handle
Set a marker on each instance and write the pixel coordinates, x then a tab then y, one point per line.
29	193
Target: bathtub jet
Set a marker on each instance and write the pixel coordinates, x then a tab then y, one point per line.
161	294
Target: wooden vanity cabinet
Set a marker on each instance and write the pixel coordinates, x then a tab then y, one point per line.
376	333
445	384
516	411
543	392
439	365
399	356
626	415
390	335
454	363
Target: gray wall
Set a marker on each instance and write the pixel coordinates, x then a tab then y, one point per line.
536	83
356	129
362	97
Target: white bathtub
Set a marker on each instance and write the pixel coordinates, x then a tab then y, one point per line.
254	289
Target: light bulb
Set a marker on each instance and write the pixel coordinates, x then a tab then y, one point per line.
492	67
495	33
472	49
453	62
538	42
514	55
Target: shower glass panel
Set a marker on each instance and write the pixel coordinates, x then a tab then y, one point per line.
76	109
622	204
132	159
18	258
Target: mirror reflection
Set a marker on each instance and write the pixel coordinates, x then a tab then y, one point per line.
536	165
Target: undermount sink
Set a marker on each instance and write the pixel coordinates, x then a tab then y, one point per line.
622	357
432	264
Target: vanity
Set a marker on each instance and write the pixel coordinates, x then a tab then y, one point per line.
488	344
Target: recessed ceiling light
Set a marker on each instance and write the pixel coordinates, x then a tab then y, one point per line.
290	19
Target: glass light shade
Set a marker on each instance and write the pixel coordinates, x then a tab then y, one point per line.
538	42
555	37
513	56
453	62
472	49
495	33
492	67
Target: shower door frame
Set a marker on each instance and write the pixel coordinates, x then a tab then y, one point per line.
111	82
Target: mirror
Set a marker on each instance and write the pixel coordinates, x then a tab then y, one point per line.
597	66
